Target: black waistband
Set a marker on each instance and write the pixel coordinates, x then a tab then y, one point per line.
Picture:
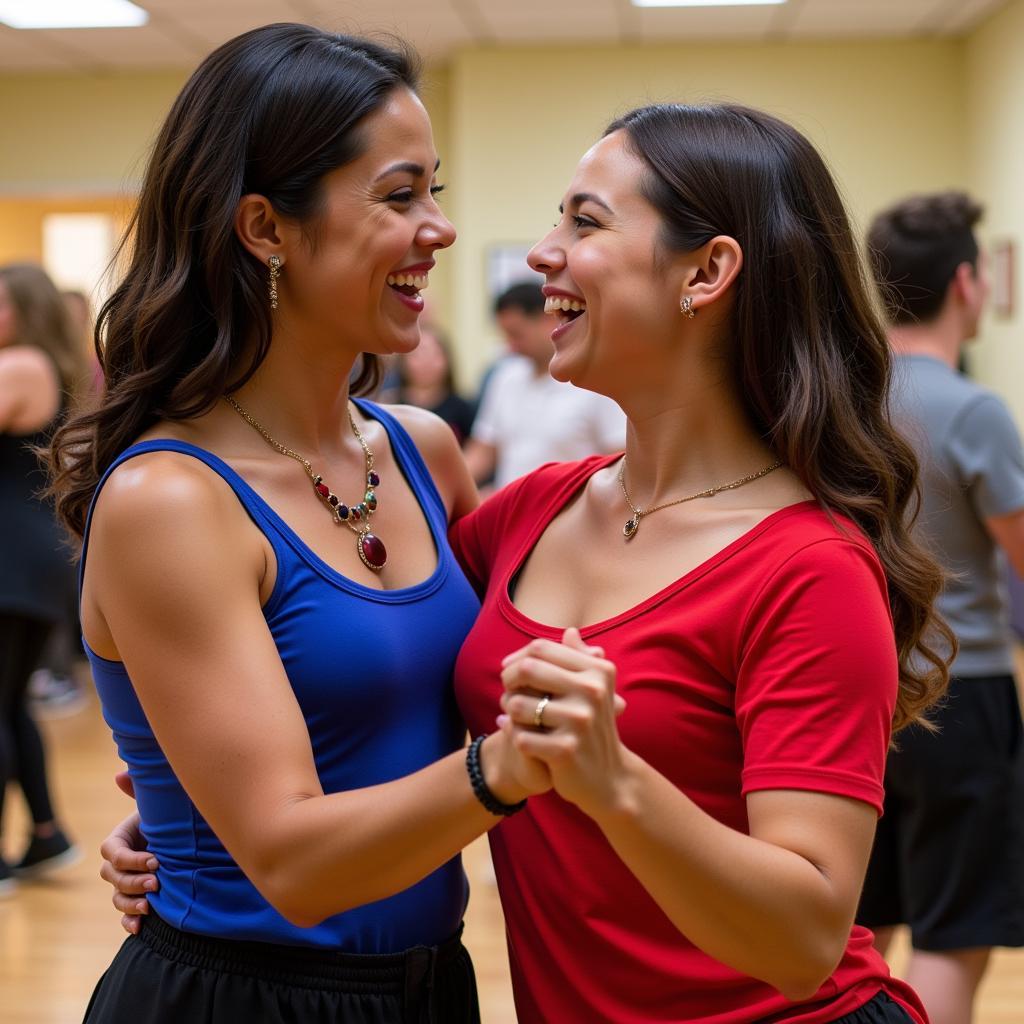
303	966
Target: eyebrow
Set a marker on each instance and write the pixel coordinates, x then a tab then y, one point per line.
407	167
583	197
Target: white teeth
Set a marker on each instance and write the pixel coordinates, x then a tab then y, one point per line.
417	281
562	304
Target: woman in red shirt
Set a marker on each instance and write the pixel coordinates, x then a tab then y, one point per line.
701	855
742	577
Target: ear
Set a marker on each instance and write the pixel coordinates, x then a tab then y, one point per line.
260	228
964	283
711	270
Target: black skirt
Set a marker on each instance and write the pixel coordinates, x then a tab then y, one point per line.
166	976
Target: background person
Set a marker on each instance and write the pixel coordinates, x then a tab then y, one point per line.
41	371
948	858
526	418
426	379
54	689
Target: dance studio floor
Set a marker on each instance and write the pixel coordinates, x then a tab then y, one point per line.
56	937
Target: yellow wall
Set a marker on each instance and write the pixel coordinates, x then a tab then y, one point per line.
889	117
511	123
80	134
21	221
995	144
79	143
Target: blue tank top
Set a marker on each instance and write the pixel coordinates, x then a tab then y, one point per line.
371	671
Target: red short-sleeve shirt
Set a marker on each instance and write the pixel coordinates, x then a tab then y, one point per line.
770	666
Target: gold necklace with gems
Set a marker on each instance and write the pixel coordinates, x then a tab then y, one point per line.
356	517
633	523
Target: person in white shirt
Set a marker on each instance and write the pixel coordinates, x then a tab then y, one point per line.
526	418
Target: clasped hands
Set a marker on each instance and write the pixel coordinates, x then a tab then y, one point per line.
558	711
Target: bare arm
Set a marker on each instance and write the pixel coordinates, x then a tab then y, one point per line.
1008	532
444	458
212	685
776	904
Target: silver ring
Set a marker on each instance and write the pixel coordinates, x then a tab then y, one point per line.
538	711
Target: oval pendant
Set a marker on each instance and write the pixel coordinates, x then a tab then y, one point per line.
372	551
632	525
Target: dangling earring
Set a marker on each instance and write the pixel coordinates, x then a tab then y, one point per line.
275	269
686	308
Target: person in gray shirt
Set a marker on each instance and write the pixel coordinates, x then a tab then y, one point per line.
948	858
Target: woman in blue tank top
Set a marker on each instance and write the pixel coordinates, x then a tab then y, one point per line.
270	604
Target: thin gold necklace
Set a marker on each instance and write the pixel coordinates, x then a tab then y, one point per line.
633	523
356	517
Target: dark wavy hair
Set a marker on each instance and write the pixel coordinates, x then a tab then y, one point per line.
271	112
811	360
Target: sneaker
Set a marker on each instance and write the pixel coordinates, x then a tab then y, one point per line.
45	855
7	880
54	696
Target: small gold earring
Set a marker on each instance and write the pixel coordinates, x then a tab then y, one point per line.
275	269
686	308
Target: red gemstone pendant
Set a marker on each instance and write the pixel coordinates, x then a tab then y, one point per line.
372	551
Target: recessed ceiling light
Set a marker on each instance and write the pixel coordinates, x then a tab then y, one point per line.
71	14
703	3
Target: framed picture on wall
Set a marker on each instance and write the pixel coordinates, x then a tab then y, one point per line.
1003	270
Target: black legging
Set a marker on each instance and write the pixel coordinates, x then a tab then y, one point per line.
21	747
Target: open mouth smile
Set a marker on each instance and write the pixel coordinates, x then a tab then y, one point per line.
407	286
567	308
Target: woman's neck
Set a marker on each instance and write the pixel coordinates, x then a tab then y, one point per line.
301	397
688	442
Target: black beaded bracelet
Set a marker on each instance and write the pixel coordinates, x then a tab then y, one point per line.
480	787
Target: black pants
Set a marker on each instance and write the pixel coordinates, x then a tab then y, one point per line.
166	976
881	1010
21	748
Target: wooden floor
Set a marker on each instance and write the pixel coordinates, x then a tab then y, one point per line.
56	937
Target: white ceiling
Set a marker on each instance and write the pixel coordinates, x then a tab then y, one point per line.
180	32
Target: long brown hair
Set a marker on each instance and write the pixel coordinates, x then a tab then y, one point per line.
271	112
810	357
42	320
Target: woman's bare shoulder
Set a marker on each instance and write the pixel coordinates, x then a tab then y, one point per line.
440	449
159	504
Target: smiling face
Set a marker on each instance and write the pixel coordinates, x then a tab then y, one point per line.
613	288
358	281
